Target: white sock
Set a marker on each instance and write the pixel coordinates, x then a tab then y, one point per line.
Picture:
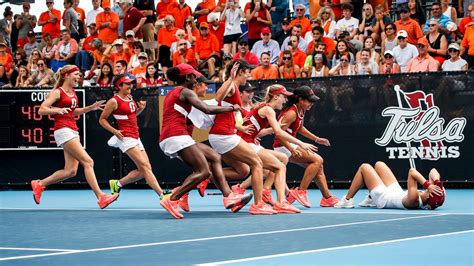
118	183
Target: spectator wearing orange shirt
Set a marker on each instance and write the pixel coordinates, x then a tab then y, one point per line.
183	54
162	8
318	36
203	9
207	48
423	62
107	24
166	36
217	28
119	54
289	70
180	11
84	58
192	32
50	21
265	70
467	46
412	28
220	6
245	53
301	19
6	63
298	56
140	71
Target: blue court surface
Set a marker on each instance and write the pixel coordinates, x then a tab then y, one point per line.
68	228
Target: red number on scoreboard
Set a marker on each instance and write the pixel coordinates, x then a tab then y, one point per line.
26	111
32	135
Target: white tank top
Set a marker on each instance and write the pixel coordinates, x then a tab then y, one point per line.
316	73
447	13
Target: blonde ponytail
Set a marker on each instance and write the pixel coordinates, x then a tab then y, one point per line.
60	75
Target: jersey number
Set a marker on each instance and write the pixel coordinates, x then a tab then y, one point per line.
132	107
73	103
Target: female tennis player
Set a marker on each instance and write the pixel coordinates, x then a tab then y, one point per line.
176	141
127	138
62	102
292	120
385	191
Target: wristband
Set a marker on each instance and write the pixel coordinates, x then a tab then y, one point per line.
426	184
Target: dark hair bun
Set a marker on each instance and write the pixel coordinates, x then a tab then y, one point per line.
173	74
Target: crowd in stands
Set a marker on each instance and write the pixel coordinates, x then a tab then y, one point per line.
322	38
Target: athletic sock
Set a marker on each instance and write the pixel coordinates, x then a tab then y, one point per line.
118	183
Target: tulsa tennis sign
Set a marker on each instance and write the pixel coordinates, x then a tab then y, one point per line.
418	120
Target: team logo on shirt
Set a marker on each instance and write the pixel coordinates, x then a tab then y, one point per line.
416	120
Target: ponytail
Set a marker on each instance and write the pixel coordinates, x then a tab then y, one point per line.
61	74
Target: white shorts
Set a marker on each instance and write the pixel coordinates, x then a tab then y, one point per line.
224	143
256	147
388	197
125	144
284	150
63	135
172	145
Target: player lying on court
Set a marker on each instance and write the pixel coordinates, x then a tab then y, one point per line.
386	193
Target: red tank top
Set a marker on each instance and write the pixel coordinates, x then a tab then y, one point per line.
257	121
126	116
224	123
66	101
175	114
294	127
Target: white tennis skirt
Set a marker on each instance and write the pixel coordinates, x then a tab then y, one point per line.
224	143
63	135
256	147
284	150
172	145
125	144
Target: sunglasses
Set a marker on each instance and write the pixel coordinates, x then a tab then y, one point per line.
344	60
204	28
314	22
366	9
420	46
144	58
41	64
432	25
286	58
452	50
299	9
285	23
318	57
188	22
401	38
182	44
435	8
389	28
265	34
49	3
388	56
243	44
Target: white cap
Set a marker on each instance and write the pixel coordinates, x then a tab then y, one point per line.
212	17
388	52
454	46
451	26
118	42
402	33
130	33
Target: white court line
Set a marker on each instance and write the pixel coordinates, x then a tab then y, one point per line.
218	237
333	248
38	249
303	211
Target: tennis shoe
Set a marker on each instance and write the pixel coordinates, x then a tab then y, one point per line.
261	209
285	207
301	196
171	206
234	199
367	202
290	198
202	187
267	197
345	203
114	188
106	199
37	190
329	202
237	189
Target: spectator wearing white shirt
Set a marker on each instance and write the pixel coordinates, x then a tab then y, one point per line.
267	45
349	24
92	14
404	51
455	63
295	31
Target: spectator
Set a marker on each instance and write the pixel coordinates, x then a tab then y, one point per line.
374	56
66	51
203	9
257	17
140	71
120	54
6	26
31	44
14	33
133	18
192	32
226	61
49	50
180	35
301	3
328	22
278	11
301	19
309	34
244	53
295	31
389	66
147	7
97	55
44	77
84	58
266	70
20	58
232	14
152	78
448	10
267	45
118	10
366	66
455	62
120	67
379	22
318	67
180	11
81	16
163	7
284	33
343	67
390	40
466	21
468	44
289	70
408	25
105	76
130	39
207	49
96	9
33	61
107	23
349	24
216	27
71	21
342	48
166	36
298	56
416	11
184	54
442	19
25	23
318	37
423	62
137	49
365	27
438	44
404	51
50	21
6	63
22	79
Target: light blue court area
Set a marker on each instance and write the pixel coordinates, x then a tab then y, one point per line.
68	228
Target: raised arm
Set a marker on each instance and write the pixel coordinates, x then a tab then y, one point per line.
95	106
190	96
